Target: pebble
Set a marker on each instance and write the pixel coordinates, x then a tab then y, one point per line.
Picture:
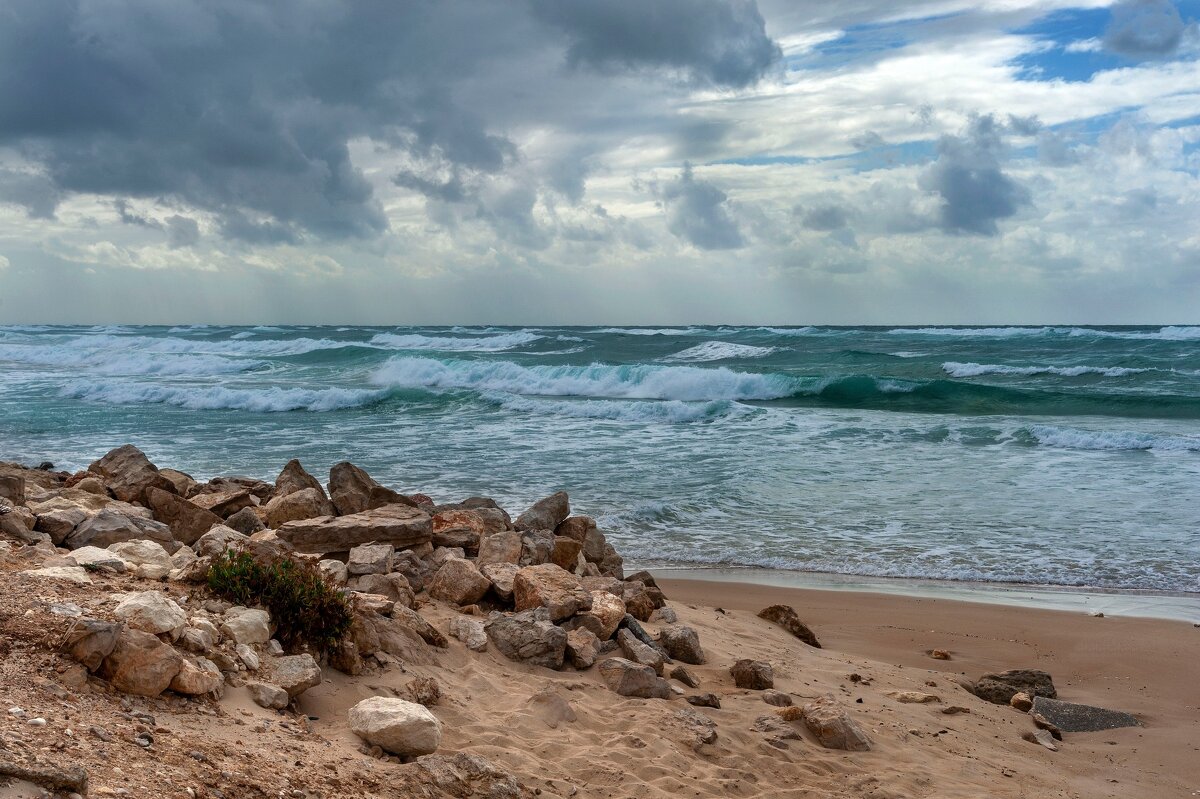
38	722
16	711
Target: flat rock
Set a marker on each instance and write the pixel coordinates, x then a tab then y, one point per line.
150	561
398	525
639	652
914	697
110	526
224	502
371	559
1070	717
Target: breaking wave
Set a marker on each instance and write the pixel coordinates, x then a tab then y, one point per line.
956	369
208	398
720	351
416	341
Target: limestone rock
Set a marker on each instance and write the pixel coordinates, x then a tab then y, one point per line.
12	488
529	637
294	478
414	622
914	697
150	561
246	625
755	675
90	641
297	673
576	527
371	559
607	610
785	616
307	503
403	728
999	688
546	514
682	643
583	647
66	574
350	488
269	696
502	547
1021	701
459	582
705	700
248	656
776	698
334	570
470	632
502	576
536	547
246	521
832	726
153	612
187	521
460	528
393	586
128	473
217	540
103	559
108	526
184	483
198	678
627	678
565	552
141	664
685	676
639	652
398	525
549	586
224	502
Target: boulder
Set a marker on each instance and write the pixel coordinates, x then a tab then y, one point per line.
565	553
398	525
608	610
350	488
197	678
224	502
785	616
550	587
149	560
999	688
334	571
546	514
583	647
502	547
394	725
102	559
110	527
153	612
501	576
217	540
184	483
307	503
627	678
12	488
470	631
371	559
755	675
776	698
183	557
293	478
528	637
297	673
128	473
93	485
246	625
90	641
682	643
832	726
594	545
141	664
246	521
705	700
393	586
459	582
461	528
686	677
58	522
186	520
198	639
269	696
416	624
639	652
536	547
576	528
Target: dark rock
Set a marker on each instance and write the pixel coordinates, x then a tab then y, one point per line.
999	688
546	514
753	674
245	521
705	700
682	643
529	637
643	577
685	677
639	632
633	679
785	616
1070	717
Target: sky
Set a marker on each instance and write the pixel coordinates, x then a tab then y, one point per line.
587	162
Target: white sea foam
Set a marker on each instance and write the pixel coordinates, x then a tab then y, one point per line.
720	351
643	411
416	341
687	383
652	331
1074	438
107	362
972	332
791	331
1168	333
266	400
956	369
264	348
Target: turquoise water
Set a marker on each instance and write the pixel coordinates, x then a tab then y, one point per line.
1054	455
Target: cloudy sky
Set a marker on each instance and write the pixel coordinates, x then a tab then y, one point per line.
599	161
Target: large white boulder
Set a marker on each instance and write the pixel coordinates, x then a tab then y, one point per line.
152	612
400	727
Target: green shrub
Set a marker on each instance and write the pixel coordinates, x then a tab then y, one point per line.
305	607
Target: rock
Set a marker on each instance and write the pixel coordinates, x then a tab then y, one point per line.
217	540
583	647
528	637
939	654
186	520
953	710
398	525
664	616
149	559
196	639
785	616
1071	717
502	576
58	522
183	557
565	553
607	611
459	582
334	571
12	488
682	643
246	625
627	678
153	612
184	483
536	546
307	503
776	698
576	528
293	478
90	641
1041	737
685	677
753	674
108	527
631	624
639	652
224	502
269	696
1046	724
415	623
999	688
66	574
403	728
350	488
424	691
549	586
103	559
913	697
128	473
141	664
393	586
1021	701
705	700
611	563
470	632
461	528
546	514
93	485
246	521
197	679
702	729
45	776
502	547
832	726
248	656
639	602
297	673
595	545
371	559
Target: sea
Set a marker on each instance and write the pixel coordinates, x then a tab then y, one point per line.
1048	456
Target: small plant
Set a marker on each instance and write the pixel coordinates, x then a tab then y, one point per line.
305	607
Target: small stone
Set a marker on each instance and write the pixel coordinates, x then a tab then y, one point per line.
705	700
1021	701
939	654
776	698
686	677
1041	737
682	643
269	696
913	697
833	727
38	722
786	617
248	657
424	691
400	727
755	675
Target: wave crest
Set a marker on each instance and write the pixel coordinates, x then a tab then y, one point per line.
956	369
207	398
720	351
417	341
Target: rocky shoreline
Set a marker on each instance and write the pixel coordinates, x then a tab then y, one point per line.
107	579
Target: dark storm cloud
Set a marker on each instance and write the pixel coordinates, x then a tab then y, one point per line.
698	212
967	174
1145	29
245	109
709	41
